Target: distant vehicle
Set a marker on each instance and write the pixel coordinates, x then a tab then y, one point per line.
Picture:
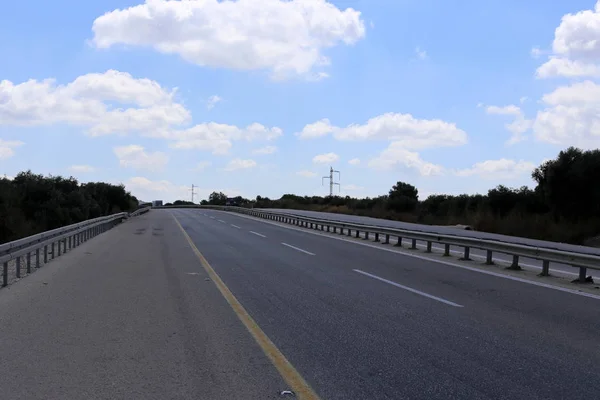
157	203
231	202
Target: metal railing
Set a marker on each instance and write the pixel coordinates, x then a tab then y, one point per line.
582	261
18	254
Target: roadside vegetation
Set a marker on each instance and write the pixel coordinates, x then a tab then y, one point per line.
563	207
31	203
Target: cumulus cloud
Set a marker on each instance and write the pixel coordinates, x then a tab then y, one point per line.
571	116
7	148
518	126
498	169
403	128
286	37
104	103
238	163
81	168
325	158
575	49
218	138
354	161
116	103
135	156
397	155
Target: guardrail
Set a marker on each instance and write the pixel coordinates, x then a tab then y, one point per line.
581	261
55	242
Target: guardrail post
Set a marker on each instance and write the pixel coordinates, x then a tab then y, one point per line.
28	263
18	266
341	230
37	257
582	274
52	251
545	268
366	235
414	244
45	254
349	232
428	247
376	237
446	250
515	263
5	274
399	242
357	233
59	247
387	239
466	254
488	258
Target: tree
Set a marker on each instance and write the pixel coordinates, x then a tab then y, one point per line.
403	197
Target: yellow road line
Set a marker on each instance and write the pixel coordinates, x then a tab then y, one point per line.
287	371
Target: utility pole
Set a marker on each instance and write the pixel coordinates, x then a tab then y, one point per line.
331	182
193	193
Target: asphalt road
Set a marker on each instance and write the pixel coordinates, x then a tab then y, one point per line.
529	263
133	314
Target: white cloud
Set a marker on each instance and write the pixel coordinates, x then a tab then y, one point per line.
506	110
238	163
265	150
556	67
402	128
325	158
354	161
397	154
518	126
523	99
285	37
7	147
135	156
571	116
218	138
317	129
421	54
148	190
576	48
90	101
498	169
212	101
306	174
81	168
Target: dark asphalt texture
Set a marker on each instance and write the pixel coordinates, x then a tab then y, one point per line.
121	317
354	337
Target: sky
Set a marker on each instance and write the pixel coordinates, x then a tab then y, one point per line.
262	97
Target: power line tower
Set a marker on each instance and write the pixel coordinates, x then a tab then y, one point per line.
331	181
193	193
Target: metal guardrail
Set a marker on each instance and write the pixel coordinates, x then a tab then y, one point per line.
581	261
55	242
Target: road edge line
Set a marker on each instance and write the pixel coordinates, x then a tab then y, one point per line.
287	371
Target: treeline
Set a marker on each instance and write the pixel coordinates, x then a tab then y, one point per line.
564	206
31	203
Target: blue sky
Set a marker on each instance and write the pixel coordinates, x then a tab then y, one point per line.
224	95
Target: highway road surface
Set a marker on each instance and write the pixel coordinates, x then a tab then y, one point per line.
203	304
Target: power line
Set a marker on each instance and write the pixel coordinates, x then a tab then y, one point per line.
331	181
